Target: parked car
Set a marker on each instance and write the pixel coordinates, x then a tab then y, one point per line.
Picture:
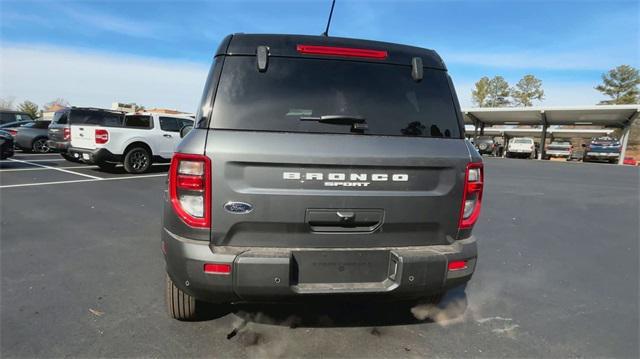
630	161
558	149
6	145
603	148
8	116
576	155
486	145
137	142
522	147
60	128
323	167
32	137
12	127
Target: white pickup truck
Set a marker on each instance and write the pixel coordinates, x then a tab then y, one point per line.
523	147
137	142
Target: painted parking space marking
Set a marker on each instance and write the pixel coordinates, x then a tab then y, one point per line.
82	180
45	168
44	160
57	169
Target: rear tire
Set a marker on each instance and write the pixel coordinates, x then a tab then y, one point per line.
137	160
180	305
39	145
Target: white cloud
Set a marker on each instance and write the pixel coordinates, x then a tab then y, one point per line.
87	78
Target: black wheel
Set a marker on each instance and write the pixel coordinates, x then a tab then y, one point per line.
70	158
137	160
39	145
107	166
180	305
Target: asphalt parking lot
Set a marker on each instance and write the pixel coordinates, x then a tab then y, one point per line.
82	274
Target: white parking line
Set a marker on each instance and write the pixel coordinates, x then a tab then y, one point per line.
57	169
82	180
45	168
45	160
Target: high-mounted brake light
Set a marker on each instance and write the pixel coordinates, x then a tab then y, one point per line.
190	189
66	134
342	51
472	195
102	136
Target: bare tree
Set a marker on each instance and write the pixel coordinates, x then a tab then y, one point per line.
6	103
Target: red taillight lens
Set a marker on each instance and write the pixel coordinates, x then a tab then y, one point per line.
13	132
102	136
342	51
472	195
217	268
457	265
66	134
190	188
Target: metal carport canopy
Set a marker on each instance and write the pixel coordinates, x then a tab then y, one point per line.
602	115
537	132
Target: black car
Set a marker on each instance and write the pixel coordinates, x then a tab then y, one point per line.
6	145
486	145
321	167
60	128
32	137
8	116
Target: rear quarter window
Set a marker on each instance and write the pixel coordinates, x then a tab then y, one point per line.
385	95
138	121
97	118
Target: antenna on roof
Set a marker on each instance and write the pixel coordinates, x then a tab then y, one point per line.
326	31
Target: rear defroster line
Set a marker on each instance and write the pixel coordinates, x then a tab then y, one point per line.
57	169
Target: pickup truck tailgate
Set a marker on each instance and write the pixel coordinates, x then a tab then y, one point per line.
83	137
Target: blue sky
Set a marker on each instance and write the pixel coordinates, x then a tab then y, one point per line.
157	52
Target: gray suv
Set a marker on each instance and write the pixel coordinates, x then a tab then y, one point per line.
321	167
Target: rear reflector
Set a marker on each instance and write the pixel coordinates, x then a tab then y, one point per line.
217	268
342	51
102	136
457	265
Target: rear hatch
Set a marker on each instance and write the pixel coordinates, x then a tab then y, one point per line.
84	123
58	125
387	170
605	145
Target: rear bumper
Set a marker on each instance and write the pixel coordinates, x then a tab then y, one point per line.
60	146
96	156
563	154
271	274
602	154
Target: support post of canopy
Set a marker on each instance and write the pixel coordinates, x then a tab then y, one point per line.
543	135
482	129
624	140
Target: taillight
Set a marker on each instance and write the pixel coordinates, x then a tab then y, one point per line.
66	134
13	132
190	188
342	51
472	195
102	136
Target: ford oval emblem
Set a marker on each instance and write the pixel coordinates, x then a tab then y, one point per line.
238	207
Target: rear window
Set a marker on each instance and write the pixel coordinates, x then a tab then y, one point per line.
93	117
7	117
60	118
138	121
385	95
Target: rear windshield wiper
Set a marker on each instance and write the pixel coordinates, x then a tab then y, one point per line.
357	123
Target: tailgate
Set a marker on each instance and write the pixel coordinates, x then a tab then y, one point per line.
314	190
83	136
